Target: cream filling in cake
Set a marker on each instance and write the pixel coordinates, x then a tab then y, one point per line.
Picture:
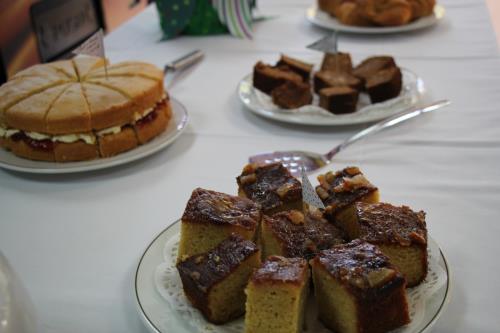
88	138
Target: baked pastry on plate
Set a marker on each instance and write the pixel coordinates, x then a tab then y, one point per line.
276	296
214	281
399	232
210	217
70	111
358	290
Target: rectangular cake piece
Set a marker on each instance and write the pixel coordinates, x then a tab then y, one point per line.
327	79
358	290
342	189
276	296
337	62
212	216
384	85
399	232
295	234
215	281
339	100
302	68
370	66
271	186
292	95
266	77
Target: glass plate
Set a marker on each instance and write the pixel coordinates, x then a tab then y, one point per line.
262	105
161	317
176	126
324	20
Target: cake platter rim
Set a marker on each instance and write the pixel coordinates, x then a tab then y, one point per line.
177	125
318	18
251	98
159	242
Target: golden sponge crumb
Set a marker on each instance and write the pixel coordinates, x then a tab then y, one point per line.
199	238
409	260
226	300
336	306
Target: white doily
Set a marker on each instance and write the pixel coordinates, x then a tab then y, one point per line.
169	286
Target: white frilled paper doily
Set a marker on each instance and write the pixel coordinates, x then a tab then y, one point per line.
169	286
262	104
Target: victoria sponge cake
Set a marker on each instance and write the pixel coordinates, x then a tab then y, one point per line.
71	110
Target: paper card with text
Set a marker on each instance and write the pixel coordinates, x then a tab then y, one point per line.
93	46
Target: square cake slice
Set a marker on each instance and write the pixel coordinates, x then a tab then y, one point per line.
271	186
276	296
337	62
358	290
399	232
370	66
327	79
384	85
300	67
294	234
292	95
211	216
341	189
266	78
215	281
339	100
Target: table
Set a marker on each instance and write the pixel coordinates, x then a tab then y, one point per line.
75	240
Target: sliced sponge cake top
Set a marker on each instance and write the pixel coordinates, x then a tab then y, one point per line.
206	206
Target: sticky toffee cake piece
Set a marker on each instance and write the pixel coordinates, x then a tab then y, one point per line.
370	66
292	95
295	234
70	111
358	290
339	100
337	62
276	296
399	232
340	190
266	77
300	67
212	216
271	186
384	85
327	79
215	281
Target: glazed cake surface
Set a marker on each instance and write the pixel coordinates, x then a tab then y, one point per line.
276	296
211	216
338	190
370	66
266	78
358	289
271	186
300	67
294	234
292	95
400	233
338	62
214	281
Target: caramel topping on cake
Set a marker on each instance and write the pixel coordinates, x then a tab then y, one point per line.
219	208
277	269
385	223
342	188
303	235
359	265
207	269
273	185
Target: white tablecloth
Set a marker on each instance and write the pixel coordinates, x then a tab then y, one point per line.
75	240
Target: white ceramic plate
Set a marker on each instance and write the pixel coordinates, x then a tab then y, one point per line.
161	317
262	104
324	20
175	127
